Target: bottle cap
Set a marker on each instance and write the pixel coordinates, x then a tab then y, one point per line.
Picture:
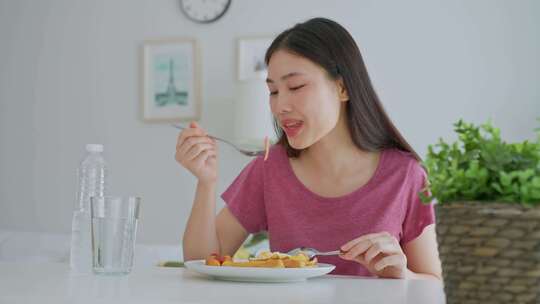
94	147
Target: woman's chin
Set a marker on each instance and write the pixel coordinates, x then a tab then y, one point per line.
297	144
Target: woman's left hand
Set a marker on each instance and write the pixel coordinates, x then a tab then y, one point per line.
380	253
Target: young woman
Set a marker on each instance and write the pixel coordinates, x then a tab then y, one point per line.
340	177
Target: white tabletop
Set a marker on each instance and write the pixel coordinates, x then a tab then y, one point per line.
53	283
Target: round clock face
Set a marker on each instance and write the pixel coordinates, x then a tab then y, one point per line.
204	11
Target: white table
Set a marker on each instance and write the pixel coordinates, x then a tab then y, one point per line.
53	283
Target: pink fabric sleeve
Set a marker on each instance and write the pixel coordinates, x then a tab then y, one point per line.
245	197
418	215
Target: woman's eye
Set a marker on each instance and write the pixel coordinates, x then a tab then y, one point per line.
273	93
297	87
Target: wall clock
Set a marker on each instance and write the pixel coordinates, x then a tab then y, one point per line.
204	11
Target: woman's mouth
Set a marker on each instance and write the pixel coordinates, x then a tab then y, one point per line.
292	127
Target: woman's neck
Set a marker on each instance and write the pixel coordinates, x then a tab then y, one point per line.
336	154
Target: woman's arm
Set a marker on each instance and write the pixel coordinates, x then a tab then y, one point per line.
200	237
231	233
423	255
205	233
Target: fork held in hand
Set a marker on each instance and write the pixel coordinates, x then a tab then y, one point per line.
243	151
311	252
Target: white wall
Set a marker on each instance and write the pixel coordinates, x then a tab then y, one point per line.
69	76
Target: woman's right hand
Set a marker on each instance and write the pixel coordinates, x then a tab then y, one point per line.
197	152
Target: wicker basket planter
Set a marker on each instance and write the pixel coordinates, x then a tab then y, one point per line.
490	253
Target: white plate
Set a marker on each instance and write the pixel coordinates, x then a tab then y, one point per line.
258	274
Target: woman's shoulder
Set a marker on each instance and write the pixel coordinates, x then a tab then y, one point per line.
401	169
399	161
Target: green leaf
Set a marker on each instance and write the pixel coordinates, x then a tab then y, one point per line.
497	187
255	239
506	179
481	166
172	264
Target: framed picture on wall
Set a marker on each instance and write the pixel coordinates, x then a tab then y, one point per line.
251	53
170	81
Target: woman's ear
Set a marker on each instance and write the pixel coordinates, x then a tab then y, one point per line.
342	91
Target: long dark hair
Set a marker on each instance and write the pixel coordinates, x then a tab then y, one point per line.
329	45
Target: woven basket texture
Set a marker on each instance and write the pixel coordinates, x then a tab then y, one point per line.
490	252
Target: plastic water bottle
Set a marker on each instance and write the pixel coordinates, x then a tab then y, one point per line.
92	175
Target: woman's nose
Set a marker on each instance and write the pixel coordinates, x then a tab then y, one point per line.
281	104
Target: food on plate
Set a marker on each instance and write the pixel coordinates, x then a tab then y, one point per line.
214	260
265	259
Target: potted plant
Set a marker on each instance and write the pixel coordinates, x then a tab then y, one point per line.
487	195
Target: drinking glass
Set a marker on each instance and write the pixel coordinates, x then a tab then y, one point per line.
114	229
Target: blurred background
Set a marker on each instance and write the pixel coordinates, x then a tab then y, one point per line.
70	75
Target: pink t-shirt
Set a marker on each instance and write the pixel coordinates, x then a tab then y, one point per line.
267	196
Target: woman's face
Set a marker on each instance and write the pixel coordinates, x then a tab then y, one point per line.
303	99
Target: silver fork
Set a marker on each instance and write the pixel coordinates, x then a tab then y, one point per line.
312	252
243	151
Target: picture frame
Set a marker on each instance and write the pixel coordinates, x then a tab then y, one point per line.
170	90
251	51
